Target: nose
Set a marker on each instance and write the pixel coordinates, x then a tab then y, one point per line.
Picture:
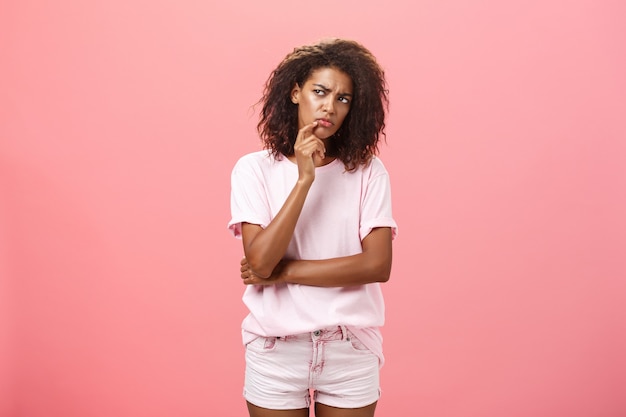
329	105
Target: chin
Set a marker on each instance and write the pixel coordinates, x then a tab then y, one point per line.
325	134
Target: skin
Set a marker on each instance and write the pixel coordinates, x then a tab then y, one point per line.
321	410
323	104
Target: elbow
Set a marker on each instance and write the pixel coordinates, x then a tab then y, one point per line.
259	263
377	268
383	276
259	268
381	272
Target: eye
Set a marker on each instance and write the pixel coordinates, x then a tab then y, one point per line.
344	100
318	91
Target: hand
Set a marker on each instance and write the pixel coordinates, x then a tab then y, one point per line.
250	278
309	151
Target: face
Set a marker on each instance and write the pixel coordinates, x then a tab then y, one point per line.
325	97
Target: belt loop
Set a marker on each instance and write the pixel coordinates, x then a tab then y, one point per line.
344	333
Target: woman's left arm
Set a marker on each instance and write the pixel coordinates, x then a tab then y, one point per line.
373	264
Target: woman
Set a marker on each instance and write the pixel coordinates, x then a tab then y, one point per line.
313	211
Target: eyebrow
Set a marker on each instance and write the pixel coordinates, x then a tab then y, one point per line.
323	87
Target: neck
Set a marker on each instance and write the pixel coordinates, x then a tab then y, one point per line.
327	160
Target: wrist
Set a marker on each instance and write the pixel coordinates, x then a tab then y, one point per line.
286	271
304	183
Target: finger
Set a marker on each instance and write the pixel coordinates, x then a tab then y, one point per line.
243	261
311	145
306	131
321	150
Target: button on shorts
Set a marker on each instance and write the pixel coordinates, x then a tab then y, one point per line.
340	371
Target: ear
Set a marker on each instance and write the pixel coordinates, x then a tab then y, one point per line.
295	94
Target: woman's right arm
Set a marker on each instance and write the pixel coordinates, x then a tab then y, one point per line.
264	248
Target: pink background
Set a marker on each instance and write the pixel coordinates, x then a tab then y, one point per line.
121	120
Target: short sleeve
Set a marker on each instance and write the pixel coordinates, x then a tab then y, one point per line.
248	197
376	202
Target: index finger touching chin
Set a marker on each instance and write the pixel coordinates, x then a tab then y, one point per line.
308	129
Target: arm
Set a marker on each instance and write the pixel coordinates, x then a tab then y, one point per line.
264	248
373	264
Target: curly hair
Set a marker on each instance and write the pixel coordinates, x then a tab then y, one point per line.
356	141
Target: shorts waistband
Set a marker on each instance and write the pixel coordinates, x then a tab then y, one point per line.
325	334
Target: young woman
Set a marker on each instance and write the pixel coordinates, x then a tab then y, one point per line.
314	213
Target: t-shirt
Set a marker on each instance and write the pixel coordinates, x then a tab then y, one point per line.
340	209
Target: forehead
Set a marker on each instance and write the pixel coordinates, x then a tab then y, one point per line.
331	78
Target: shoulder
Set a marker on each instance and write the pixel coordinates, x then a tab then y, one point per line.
255	160
375	167
377	164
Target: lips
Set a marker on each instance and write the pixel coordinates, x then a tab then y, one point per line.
324	122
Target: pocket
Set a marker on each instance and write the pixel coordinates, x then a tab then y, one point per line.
356	344
262	344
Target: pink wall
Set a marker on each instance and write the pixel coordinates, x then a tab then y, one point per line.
120	122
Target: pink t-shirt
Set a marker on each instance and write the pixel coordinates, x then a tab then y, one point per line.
341	208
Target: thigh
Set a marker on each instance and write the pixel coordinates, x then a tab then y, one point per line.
350	376
322	410
277	375
255	411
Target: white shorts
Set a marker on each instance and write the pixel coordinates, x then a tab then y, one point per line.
332	363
